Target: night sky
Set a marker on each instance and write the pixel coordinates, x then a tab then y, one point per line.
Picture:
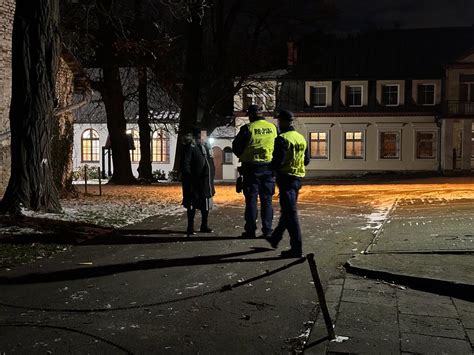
356	15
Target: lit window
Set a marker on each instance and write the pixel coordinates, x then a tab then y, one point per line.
354	95
318	96
160	146
426	94
318	145
90	146
228	156
134	153
390	95
425	145
389	145
354	145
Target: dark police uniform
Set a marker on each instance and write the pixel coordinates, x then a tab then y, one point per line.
254	147
290	157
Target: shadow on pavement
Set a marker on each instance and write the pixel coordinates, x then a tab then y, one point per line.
225	288
104	270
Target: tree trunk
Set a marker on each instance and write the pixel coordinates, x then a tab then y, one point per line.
144	167
63	133
35	54
191	85
112	95
117	125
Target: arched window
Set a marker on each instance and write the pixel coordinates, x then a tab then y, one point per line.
90	146
160	146
135	153
228	156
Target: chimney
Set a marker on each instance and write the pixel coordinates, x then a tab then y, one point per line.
292	53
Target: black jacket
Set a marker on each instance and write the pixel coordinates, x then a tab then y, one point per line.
197	169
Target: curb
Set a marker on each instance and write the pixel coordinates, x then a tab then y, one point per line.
442	287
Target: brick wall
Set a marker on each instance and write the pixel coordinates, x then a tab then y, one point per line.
7	9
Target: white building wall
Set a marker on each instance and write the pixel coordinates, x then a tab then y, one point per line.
336	164
101	129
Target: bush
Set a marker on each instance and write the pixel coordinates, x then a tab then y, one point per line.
92	173
173	175
159	174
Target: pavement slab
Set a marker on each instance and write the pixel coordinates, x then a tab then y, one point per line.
414	322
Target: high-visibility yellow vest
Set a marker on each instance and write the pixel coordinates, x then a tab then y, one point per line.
294	160
261	143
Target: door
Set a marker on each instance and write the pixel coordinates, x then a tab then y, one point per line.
218	160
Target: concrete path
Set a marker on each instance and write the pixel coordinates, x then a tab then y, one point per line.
425	244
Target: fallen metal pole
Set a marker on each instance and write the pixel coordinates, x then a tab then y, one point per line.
321	298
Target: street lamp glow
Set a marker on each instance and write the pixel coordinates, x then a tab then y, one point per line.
211	140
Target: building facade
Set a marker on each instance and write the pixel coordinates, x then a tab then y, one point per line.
384	102
7	11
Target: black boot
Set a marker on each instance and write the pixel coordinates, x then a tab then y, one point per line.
191	212
204	227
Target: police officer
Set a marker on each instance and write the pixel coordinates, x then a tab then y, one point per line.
290	157
254	147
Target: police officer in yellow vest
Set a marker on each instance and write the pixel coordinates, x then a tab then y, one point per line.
290	156
254	147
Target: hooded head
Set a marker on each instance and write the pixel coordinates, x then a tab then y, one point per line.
253	111
285	119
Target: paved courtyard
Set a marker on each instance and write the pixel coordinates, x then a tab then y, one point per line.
150	289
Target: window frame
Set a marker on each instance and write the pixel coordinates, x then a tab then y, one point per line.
135	155
435	143
325	95
164	139
328	140
91	140
418	94
348	87
382	94
344	144
224	151
380	144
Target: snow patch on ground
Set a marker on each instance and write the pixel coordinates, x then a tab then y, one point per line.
108	213
14	230
376	219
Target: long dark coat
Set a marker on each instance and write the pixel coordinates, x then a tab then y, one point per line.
197	169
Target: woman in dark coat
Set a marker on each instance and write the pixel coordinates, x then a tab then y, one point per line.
197	169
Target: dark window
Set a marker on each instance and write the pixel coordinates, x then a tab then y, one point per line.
354	145
425	145
426	94
318	145
354	95
472	144
318	96
390	95
466	92
228	156
389	145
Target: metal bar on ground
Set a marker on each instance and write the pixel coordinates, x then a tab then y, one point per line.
321	298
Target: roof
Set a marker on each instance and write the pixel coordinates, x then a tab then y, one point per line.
162	108
391	54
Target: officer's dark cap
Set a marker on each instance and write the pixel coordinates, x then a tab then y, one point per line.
285	115
254	109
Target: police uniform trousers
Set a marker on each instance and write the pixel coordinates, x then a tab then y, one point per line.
258	182
289	187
